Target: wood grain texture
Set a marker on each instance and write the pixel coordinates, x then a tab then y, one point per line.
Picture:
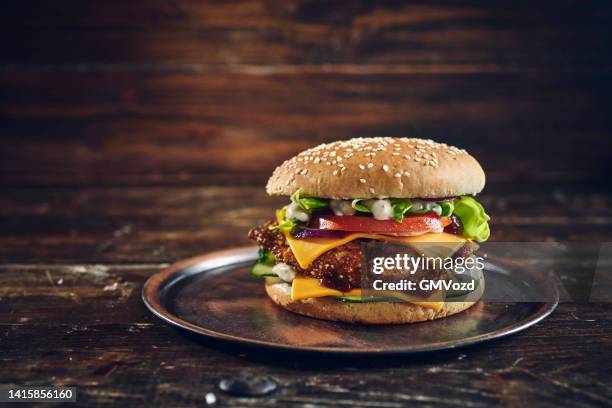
127	128
215	92
447	36
99	336
137	133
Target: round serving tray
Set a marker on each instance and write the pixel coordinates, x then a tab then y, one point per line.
214	295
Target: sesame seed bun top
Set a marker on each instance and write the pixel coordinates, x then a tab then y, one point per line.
379	167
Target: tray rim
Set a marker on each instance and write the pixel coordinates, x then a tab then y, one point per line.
157	282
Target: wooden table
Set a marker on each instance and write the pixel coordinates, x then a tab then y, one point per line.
135	134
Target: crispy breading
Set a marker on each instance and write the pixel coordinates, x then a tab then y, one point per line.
338	268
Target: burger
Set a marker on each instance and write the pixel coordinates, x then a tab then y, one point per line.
346	194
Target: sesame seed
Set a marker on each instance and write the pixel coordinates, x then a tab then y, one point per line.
362	181
407	174
395	153
372	190
397	175
370	165
362	167
335	173
385	167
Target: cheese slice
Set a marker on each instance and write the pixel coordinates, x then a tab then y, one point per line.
307	250
306	288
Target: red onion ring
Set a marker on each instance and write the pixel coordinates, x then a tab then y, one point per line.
303	233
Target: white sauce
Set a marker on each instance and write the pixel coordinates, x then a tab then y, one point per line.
294	212
417	205
284	271
436	208
342	207
381	209
426	205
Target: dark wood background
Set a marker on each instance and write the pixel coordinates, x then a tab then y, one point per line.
137	133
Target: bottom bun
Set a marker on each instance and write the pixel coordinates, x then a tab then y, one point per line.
369	313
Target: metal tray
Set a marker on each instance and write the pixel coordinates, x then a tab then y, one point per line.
214	295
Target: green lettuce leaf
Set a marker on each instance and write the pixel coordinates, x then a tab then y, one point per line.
308	203
423	207
266	257
284	224
357	205
473	218
447	208
400	207
403	206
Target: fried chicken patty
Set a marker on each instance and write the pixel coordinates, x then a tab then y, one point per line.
338	268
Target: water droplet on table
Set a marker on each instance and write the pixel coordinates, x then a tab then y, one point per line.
248	385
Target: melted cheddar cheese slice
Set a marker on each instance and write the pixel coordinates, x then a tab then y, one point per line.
307	250
306	288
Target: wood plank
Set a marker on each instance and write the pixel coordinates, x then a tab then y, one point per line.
74	295
110	371
158	225
139	133
127	364
106	343
128	128
482	37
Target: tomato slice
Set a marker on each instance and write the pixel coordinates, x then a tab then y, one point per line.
411	225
